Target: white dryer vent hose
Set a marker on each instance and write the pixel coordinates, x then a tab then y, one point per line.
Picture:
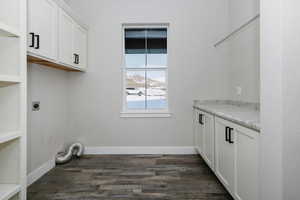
75	149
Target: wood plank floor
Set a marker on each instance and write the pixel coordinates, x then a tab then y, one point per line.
131	178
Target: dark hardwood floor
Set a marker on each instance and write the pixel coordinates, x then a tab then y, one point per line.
130	177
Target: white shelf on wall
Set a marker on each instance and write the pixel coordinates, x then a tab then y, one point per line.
8	31
7	191
8	80
13	106
9	136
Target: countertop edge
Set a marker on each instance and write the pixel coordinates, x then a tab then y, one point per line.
233	120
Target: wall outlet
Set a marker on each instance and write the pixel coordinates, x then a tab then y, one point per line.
239	90
36	106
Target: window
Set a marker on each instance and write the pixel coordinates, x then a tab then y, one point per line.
145	70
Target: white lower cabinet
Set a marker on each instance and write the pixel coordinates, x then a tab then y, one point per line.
209	140
198	131
237	159
224	155
246	161
231	151
205	136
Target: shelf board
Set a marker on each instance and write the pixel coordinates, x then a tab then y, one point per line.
9	80
7	191
6	137
8	31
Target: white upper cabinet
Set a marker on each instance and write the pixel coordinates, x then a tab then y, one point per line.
66	34
80	46
42	28
72	42
54	36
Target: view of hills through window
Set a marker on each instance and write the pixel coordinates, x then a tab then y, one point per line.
146	68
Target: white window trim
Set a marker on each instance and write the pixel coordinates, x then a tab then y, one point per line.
143	114
155	113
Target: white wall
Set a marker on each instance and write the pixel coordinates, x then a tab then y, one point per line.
196	70
244	51
47	128
280	138
271	101
291	99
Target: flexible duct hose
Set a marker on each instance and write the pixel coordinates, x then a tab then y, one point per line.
74	150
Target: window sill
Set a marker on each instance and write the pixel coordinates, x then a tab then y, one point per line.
145	115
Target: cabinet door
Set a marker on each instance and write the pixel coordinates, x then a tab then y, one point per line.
66	34
80	46
42	28
224	156
198	130
209	140
246	164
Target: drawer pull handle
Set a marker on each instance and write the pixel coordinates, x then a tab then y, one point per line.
32	39
226	133
201	119
38	41
230	136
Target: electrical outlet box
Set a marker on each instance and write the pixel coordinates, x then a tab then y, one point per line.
36	106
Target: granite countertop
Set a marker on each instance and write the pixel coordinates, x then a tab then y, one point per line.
244	114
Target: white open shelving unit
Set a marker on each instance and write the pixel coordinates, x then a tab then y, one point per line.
8	31
9	80
6	137
13	69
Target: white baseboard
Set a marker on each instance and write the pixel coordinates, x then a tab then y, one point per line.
188	150
41	171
